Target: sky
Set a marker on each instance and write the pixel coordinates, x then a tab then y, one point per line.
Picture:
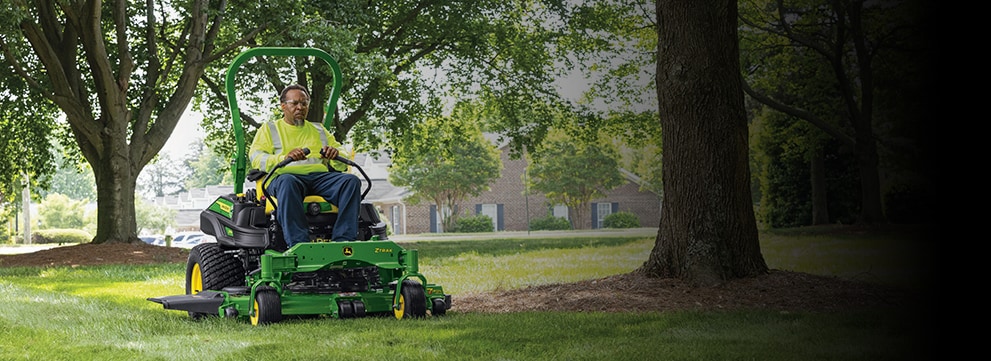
186	132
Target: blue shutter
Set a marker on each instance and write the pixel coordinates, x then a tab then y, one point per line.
615	207
500	225
478	209
433	219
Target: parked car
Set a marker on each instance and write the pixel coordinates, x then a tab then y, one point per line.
155	239
188	239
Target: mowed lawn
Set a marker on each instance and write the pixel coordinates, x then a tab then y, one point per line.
101	313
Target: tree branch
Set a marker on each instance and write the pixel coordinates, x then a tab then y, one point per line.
798	113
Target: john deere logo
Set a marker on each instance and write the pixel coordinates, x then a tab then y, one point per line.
348	251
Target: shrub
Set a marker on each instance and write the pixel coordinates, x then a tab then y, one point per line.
550	223
474	224
61	236
621	220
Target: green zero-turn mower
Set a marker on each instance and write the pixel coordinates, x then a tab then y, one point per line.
250	273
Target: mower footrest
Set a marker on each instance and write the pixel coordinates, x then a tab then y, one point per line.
203	302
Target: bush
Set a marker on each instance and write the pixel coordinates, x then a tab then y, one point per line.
60	236
474	224
621	220
550	223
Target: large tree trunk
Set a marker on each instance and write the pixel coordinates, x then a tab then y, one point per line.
708	232
116	220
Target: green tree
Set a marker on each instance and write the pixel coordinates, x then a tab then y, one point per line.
573	172
152	218
207	168
58	211
398	59
164	176
122	72
72	178
827	64
25	143
446	160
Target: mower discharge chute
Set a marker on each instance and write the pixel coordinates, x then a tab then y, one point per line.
249	273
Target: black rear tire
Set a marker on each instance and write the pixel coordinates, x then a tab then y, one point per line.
209	268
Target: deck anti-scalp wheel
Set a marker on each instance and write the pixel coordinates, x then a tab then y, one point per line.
267	307
209	268
412	301
439	307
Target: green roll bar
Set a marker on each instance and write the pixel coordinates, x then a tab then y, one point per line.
240	161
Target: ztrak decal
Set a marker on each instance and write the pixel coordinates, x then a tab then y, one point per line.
224	207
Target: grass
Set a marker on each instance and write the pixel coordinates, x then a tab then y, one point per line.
101	313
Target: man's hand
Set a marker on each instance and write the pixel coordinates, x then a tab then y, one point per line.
329	152
297	154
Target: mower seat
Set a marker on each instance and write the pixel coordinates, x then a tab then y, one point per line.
313	204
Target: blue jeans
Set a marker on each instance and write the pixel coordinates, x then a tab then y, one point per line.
341	189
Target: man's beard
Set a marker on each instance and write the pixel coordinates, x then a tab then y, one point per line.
298	121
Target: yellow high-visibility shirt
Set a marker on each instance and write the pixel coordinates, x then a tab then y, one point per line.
275	139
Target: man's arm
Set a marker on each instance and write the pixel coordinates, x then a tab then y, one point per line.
261	151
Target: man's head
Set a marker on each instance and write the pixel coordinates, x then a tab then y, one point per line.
295	102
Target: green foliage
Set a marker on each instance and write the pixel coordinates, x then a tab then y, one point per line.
621	220
398	60
858	71
73	178
58	211
60	236
153	218
783	152
446	160
28	127
474	224
208	168
549	223
573	171
164	176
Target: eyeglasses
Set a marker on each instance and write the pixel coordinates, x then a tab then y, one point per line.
302	103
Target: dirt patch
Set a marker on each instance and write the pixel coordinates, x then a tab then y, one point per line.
778	290
89	254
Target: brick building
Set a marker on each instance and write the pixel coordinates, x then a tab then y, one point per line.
507	202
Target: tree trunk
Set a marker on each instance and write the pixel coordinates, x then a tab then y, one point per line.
820	204
707	232
115	216
870	181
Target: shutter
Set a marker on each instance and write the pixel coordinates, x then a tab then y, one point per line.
433	219
478	209
595	215
499	222
615	207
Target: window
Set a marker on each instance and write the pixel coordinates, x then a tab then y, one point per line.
561	210
602	210
491	210
439	218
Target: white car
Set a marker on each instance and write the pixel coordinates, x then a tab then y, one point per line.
188	239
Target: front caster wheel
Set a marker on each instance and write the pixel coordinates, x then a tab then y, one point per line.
412	301
267	307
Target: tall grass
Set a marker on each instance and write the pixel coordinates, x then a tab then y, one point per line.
101	313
